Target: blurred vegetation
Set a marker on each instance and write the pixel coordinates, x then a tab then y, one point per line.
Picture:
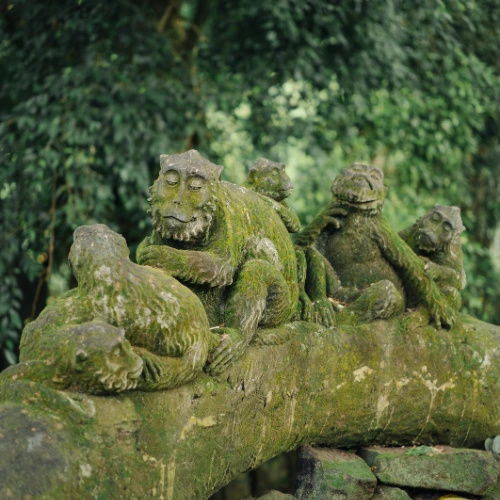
91	92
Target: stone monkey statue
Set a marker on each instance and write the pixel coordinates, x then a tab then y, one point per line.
436	238
225	243
373	268
84	338
270	179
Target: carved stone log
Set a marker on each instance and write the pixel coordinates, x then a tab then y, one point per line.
387	382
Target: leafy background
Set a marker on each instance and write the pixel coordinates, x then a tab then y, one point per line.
92	92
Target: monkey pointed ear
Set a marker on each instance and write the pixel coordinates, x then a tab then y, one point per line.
218	171
163	160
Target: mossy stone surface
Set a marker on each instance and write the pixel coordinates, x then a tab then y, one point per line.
493	492
334	474
443	468
275	495
392	382
390	493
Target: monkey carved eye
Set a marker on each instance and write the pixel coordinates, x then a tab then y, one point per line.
436	217
196	184
447	227
172	178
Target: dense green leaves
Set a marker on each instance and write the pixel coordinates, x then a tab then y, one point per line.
90	96
92	92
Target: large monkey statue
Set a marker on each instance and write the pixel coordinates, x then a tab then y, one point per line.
225	243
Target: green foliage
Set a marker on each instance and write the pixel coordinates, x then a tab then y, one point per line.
90	95
92	92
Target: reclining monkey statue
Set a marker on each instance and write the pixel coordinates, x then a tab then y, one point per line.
124	327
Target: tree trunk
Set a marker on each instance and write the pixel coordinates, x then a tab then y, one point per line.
387	382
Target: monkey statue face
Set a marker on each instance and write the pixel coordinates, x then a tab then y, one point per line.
360	186
184	195
270	179
439	228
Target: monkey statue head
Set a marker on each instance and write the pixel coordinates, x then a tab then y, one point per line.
360	186
183	198
270	179
439	229
103	359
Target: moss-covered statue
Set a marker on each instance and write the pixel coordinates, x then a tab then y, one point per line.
366	265
227	244
270	179
126	326
435	237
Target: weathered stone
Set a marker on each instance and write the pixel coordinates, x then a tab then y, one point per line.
396	381
493	492
276	495
373	266
435	237
228	245
390	493
271	180
82	340
443	468
495	445
333	474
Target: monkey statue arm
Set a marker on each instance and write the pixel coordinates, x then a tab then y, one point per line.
191	266
439	267
411	268
442	273
325	217
287	215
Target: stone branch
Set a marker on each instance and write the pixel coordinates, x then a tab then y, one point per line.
388	382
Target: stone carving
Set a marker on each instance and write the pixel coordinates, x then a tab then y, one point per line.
371	266
271	180
129	326
93	357
227	244
117	303
436	238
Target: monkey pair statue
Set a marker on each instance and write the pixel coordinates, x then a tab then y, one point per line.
220	271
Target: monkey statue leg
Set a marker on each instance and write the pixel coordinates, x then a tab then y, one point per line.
305	311
321	283
452	296
259	296
166	372
381	300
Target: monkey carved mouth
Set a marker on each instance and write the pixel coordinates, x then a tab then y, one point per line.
183	219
